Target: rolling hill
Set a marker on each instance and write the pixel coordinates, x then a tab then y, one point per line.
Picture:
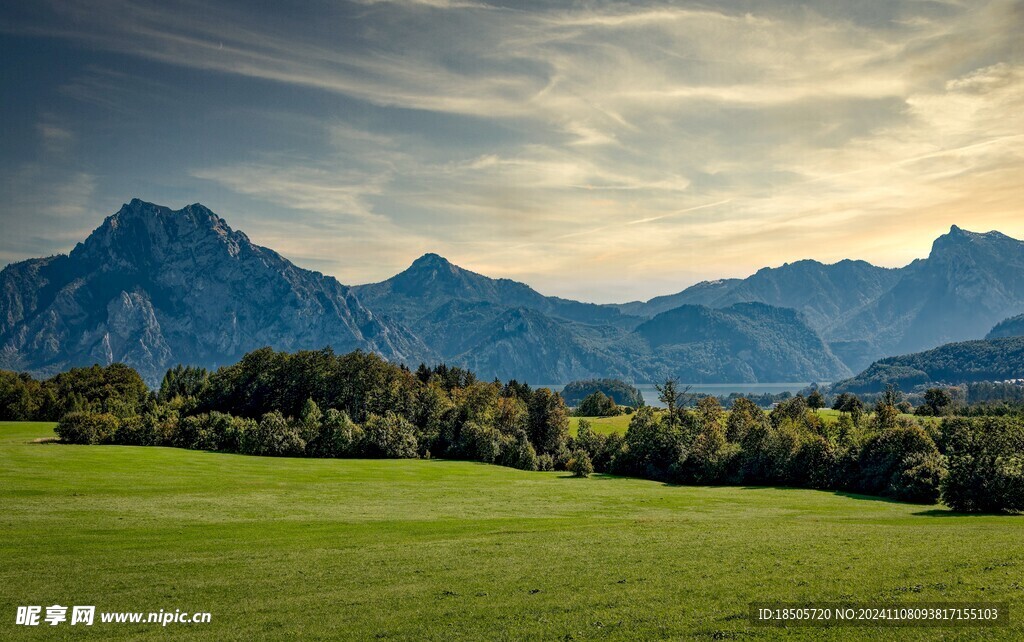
951	364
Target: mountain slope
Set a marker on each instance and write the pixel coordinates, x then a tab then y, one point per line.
152	287
823	293
745	342
524	344
1012	327
953	363
432	281
969	282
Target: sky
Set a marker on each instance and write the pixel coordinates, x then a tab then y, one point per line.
599	151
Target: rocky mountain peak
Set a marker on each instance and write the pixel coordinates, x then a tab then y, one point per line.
960	239
142	233
431	260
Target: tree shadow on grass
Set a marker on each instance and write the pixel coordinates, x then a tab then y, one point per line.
871	498
947	512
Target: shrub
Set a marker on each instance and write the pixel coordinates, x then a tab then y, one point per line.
652	447
137	431
579	464
389	436
815	463
87	428
920	478
545	462
194	432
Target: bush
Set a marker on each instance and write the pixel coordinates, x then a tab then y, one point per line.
273	436
815	463
579	464
87	428
545	462
920	478
652	447
195	433
137	431
390	436
986	464
338	436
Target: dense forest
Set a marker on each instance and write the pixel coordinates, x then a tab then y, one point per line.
319	404
620	392
953	363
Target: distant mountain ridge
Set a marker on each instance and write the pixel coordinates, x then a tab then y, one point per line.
153	287
824	293
503	328
950	364
969	282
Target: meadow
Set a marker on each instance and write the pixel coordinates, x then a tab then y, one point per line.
602	425
279	548
619	423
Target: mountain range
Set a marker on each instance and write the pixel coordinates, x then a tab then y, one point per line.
153	287
967	283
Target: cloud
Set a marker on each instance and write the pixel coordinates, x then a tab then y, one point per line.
649	144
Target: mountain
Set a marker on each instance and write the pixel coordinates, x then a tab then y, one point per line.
823	293
432	281
952	364
524	344
505	329
1012	327
967	283
746	342
152	287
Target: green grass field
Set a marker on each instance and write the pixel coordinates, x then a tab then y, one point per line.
602	425
439	550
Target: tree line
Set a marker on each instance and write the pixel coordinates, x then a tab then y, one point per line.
319	404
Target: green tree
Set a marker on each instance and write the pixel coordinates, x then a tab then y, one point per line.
549	422
986	464
937	400
815	400
87	428
390	436
580	465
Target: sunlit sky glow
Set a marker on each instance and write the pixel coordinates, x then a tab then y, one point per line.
599	151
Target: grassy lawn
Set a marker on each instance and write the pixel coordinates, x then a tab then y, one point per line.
439	550
828	415
602	425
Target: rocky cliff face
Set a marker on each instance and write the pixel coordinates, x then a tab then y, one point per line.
152	287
